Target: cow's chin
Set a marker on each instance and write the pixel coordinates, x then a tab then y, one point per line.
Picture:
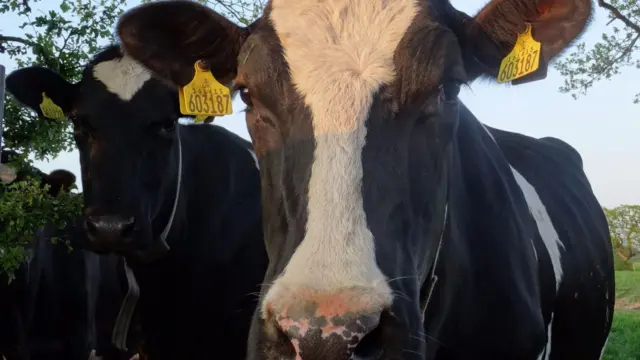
150	252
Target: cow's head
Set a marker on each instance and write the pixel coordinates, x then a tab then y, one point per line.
57	181
125	127
351	105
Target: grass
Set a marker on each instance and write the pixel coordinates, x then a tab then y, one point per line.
624	340
627	289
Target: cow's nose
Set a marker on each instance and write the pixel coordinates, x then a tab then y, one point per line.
114	229
325	331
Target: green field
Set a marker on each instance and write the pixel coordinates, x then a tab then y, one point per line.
624	341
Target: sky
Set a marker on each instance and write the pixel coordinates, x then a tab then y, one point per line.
604	125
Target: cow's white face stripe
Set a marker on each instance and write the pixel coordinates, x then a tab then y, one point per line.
122	76
339	52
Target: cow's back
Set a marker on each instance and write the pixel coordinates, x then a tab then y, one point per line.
555	170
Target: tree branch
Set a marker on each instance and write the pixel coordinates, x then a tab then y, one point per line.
4	39
618	15
614	60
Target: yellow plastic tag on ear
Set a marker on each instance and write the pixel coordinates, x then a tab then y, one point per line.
50	109
204	95
522	60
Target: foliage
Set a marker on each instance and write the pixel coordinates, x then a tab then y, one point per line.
25	207
240	11
62	38
617	50
619	264
624	226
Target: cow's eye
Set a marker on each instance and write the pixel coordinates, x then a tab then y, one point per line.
245	96
449	91
169	126
163	127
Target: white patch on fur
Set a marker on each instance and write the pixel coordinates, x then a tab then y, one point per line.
547	350
255	158
545	226
340	52
122	76
543	221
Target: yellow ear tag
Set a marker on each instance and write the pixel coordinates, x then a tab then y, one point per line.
204	95
50	109
522	60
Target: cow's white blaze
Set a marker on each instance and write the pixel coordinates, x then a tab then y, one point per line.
122	76
545	226
339	52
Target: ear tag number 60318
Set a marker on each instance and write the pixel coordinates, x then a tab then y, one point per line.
204	95
522	60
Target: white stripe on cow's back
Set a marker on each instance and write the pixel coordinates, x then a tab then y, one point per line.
339	53
545	225
546	351
543	221
122	76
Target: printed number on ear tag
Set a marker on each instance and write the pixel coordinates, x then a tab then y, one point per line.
522	60
204	95
50	109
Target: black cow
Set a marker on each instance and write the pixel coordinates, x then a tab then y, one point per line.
46	305
397	227
181	203
61	304
14	295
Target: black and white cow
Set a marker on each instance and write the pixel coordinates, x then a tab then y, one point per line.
398	226
181	203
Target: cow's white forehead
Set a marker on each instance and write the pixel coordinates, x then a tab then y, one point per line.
339	52
122	76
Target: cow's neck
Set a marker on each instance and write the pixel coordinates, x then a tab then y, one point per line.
485	285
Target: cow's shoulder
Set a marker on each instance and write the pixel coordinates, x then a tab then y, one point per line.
528	153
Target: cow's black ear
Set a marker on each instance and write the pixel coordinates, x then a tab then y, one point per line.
59	180
31	86
169	37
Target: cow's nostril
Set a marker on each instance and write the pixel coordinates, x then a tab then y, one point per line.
110	228
127	228
332	337
90	226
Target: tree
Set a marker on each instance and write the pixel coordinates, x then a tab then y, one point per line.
618	49
63	39
240	11
624	226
